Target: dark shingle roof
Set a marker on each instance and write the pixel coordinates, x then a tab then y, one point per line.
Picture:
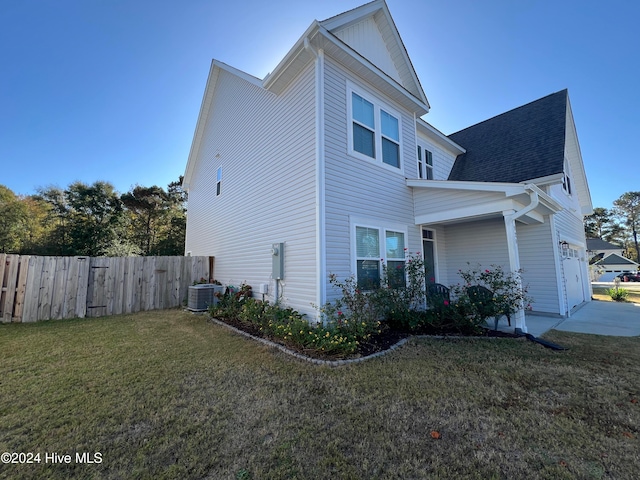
599	244
519	145
615	259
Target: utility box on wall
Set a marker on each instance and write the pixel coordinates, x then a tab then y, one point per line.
277	256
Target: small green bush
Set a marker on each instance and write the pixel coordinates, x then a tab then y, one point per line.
338	337
618	294
229	304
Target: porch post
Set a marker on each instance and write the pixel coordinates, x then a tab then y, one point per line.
514	262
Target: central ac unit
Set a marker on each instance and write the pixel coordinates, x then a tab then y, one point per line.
201	296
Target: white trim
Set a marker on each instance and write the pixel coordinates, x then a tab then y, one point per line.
382	227
378	106
434	240
321	241
438	137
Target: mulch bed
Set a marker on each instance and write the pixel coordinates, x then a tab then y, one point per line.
377	343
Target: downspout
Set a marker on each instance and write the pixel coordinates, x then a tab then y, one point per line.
512	246
321	266
533	204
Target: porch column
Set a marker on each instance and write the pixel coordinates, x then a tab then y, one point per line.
514	262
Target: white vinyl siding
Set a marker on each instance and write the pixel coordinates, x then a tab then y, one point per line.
443	159
359	187
568	227
483	242
365	38
535	245
265	144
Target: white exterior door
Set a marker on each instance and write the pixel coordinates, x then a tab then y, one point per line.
573	278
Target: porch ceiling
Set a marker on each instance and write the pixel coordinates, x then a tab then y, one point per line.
442	202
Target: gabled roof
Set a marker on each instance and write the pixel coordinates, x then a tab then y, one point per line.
615	259
372	33
522	144
599	244
365	40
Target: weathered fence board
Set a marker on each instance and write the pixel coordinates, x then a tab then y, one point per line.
43	288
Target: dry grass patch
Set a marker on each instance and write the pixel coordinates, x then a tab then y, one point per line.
170	395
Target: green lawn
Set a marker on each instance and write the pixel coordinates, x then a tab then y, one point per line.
170	395
600	293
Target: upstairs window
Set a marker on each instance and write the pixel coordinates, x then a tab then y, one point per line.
363	126
425	163
566	179
219	181
375	130
390	139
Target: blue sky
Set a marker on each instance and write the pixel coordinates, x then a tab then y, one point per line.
111	89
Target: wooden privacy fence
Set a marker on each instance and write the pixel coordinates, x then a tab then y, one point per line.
46	288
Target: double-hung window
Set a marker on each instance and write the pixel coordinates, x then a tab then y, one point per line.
374	131
425	163
374	246
395	259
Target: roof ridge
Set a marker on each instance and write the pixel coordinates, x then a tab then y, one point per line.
565	90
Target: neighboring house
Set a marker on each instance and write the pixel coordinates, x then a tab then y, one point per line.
612	265
607	260
597	249
329	157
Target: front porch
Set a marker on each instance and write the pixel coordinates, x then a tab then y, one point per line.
479	223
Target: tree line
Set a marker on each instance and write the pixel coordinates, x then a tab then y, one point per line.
94	220
618	225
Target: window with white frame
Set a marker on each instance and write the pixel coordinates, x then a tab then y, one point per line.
373	247
395	253
566	179
425	163
219	181
374	132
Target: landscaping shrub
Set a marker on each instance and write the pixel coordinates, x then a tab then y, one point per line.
618	294
337	337
509	293
398	304
229	304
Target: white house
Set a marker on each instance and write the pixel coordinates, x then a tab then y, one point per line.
327	162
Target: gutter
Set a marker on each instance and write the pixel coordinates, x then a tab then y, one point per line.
535	201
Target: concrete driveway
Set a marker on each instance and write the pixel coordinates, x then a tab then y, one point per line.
617	319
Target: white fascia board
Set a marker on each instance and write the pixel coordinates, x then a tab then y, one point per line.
355	15
200	124
205	111
554	179
291	55
390	82
467	213
437	136
238	73
577	165
509	189
371	9
546	200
